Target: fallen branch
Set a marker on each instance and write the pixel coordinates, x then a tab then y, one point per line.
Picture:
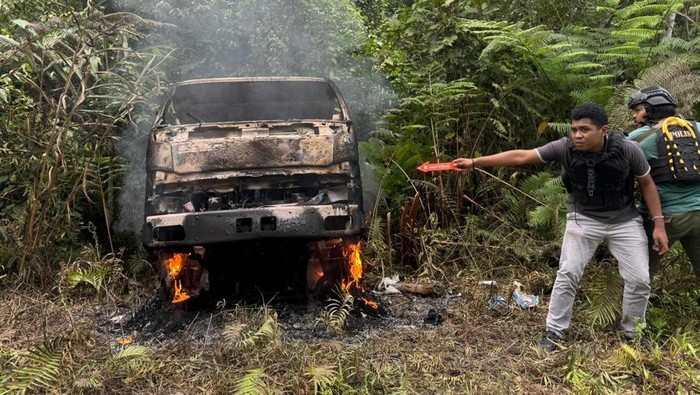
420	289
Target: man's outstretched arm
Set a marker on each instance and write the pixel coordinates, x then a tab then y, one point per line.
516	157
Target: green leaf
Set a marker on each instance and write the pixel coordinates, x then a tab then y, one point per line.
94	64
5	39
21	23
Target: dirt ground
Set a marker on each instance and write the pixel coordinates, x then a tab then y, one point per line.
456	342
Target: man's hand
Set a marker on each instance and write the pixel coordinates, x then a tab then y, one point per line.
660	239
464	163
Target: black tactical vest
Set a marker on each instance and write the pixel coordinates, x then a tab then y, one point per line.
678	146
599	180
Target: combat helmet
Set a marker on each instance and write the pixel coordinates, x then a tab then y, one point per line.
653	96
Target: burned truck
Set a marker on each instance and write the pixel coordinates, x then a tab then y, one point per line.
252	178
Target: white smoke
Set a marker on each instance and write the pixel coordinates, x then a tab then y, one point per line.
217	38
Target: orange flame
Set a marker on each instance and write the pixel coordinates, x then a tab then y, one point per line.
354	262
180	295
370	303
352	254
174	265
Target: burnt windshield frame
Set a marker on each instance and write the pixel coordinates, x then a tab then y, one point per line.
254	101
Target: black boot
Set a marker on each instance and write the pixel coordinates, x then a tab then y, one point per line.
550	341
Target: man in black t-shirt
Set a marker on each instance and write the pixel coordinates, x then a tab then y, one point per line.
599	170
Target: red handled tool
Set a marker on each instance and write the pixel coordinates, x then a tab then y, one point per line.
427	166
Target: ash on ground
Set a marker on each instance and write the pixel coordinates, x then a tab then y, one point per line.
159	321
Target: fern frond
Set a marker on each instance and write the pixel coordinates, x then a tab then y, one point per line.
573	55
634	34
136	20
604	298
649	21
583	66
499	128
322	377
233	332
39	369
133	362
642	7
376	231
267	332
627	49
626	355
677	74
87	384
132	352
594	93
680	44
602	77
252	383
541	216
550	215
562	129
535	182
336	311
377	243
95	276
426	186
450	204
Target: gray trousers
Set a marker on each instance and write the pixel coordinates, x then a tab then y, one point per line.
627	243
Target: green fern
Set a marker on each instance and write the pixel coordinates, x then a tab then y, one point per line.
253	383
561	128
132	352
93	269
549	216
268	332
322	378
574	373
604	297
132	362
94	276
627	355
675	308
336	312
38	369
377	244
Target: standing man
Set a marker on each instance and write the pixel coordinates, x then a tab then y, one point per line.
680	199
599	169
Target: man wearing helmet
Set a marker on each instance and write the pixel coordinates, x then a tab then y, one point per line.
680	199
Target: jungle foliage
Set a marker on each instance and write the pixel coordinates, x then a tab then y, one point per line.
475	78
70	81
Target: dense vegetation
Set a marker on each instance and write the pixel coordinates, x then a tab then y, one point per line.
427	80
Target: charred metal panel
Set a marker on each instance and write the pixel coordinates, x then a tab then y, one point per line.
229	175
344	147
249	148
248	224
159	157
204	156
